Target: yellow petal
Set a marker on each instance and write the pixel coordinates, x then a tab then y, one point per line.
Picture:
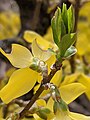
39	53
19	57
85	80
50	116
70	79
62	115
50	104
67	67
21	82
9	23
83	28
71	91
81	49
1	113
49	35
50	62
29	36
56	80
41	103
37	117
76	116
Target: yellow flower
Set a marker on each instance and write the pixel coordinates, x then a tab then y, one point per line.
9	24
69	92
67	96
23	79
45	42
67	115
85	80
84	31
80	78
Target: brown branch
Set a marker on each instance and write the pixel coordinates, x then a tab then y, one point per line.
85	61
56	67
36	14
77	6
5	110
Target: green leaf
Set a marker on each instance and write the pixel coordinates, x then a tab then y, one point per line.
43	113
66	42
56	26
55	107
63	29
60	105
70	51
71	19
64	16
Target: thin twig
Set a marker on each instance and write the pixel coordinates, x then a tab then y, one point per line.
56	67
36	14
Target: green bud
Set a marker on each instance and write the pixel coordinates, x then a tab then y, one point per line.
71	19
63	105
62	26
43	113
55	93
35	64
60	106
68	18
65	17
55	108
38	65
56	26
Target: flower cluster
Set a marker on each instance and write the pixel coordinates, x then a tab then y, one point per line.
43	66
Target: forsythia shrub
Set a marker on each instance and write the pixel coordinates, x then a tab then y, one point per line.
44	66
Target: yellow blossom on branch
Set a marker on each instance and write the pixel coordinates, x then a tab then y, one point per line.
24	79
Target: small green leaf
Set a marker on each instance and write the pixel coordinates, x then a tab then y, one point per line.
58	22
43	113
60	105
55	107
54	30
71	19
63	29
66	42
64	16
63	105
56	26
70	51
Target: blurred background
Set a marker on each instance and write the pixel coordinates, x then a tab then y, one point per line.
16	16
